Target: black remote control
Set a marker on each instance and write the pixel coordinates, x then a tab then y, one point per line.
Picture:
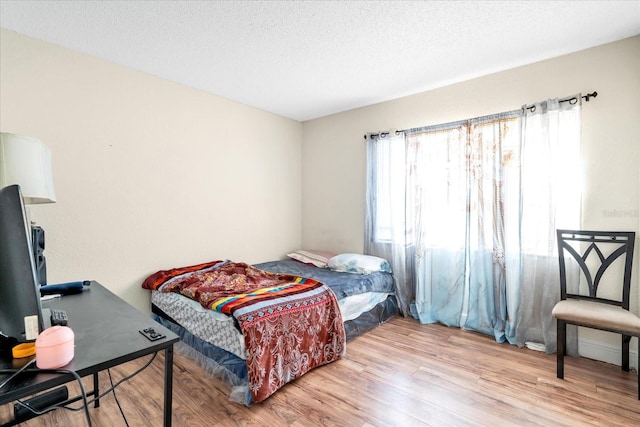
151	334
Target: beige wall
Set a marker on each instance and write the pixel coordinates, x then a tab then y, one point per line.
148	174
333	204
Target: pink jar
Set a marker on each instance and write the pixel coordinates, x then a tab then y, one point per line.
54	347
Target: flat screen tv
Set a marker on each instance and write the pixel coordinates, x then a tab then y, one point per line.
20	308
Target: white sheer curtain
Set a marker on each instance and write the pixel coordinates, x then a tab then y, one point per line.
390	230
465	213
460	262
550	198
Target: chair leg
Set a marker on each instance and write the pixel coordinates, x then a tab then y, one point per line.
638	370
626	339
561	350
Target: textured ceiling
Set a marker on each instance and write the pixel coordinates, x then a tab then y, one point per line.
307	59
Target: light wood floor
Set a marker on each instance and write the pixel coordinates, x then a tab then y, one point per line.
400	374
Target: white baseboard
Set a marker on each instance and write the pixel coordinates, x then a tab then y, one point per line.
605	353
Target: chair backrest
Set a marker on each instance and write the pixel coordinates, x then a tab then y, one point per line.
595	251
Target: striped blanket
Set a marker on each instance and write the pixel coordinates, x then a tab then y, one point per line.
290	324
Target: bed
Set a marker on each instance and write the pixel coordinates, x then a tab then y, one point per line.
316	310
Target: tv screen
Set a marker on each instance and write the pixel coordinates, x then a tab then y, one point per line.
20	308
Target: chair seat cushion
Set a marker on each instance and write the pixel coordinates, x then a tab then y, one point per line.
597	315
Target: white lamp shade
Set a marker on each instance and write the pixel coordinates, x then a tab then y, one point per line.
26	161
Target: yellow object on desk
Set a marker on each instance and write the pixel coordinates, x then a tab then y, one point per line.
24	350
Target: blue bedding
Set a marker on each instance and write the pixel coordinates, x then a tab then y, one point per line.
343	284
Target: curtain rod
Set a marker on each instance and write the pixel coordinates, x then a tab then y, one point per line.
531	108
571	100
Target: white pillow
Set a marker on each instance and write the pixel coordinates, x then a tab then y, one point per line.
317	258
357	263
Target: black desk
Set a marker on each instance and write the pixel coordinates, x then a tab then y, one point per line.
107	334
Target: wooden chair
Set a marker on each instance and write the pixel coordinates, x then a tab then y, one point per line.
595	251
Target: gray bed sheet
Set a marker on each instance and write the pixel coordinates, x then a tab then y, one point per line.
343	284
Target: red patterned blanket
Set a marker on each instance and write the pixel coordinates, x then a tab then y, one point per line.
290	324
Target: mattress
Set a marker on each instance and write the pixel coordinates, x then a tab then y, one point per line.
215	341
232	370
220	329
